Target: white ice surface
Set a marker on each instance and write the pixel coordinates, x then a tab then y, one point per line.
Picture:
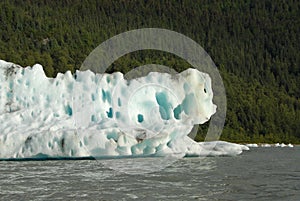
252	145
283	145
89	114
269	145
265	145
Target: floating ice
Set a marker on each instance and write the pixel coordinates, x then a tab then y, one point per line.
265	145
89	114
252	145
270	145
283	145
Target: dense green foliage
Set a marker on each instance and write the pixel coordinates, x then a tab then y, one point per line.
255	44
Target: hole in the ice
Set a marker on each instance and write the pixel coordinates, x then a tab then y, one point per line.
108	79
103	96
169	144
140	118
68	110
62	144
110	113
9	95
177	111
27	141
119	102
114	138
164	105
106	96
93	118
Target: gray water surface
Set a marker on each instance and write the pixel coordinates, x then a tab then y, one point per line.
260	174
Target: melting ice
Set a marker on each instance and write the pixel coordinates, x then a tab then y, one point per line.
89	114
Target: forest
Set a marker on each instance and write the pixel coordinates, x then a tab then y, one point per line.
255	45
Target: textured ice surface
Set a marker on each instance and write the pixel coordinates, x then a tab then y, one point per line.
89	114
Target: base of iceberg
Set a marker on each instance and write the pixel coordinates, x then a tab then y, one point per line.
89	115
200	149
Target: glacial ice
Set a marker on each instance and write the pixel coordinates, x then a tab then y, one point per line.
265	145
101	115
252	145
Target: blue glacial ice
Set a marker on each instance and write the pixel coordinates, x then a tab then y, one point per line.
88	114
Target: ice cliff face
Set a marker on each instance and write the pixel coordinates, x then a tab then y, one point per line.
89	114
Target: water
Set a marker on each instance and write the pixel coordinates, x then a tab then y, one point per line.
260	174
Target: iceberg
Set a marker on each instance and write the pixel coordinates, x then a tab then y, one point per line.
266	145
104	115
252	145
284	145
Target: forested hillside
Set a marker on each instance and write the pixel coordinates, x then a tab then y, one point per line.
255	45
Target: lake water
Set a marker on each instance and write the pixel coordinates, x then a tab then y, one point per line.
258	174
